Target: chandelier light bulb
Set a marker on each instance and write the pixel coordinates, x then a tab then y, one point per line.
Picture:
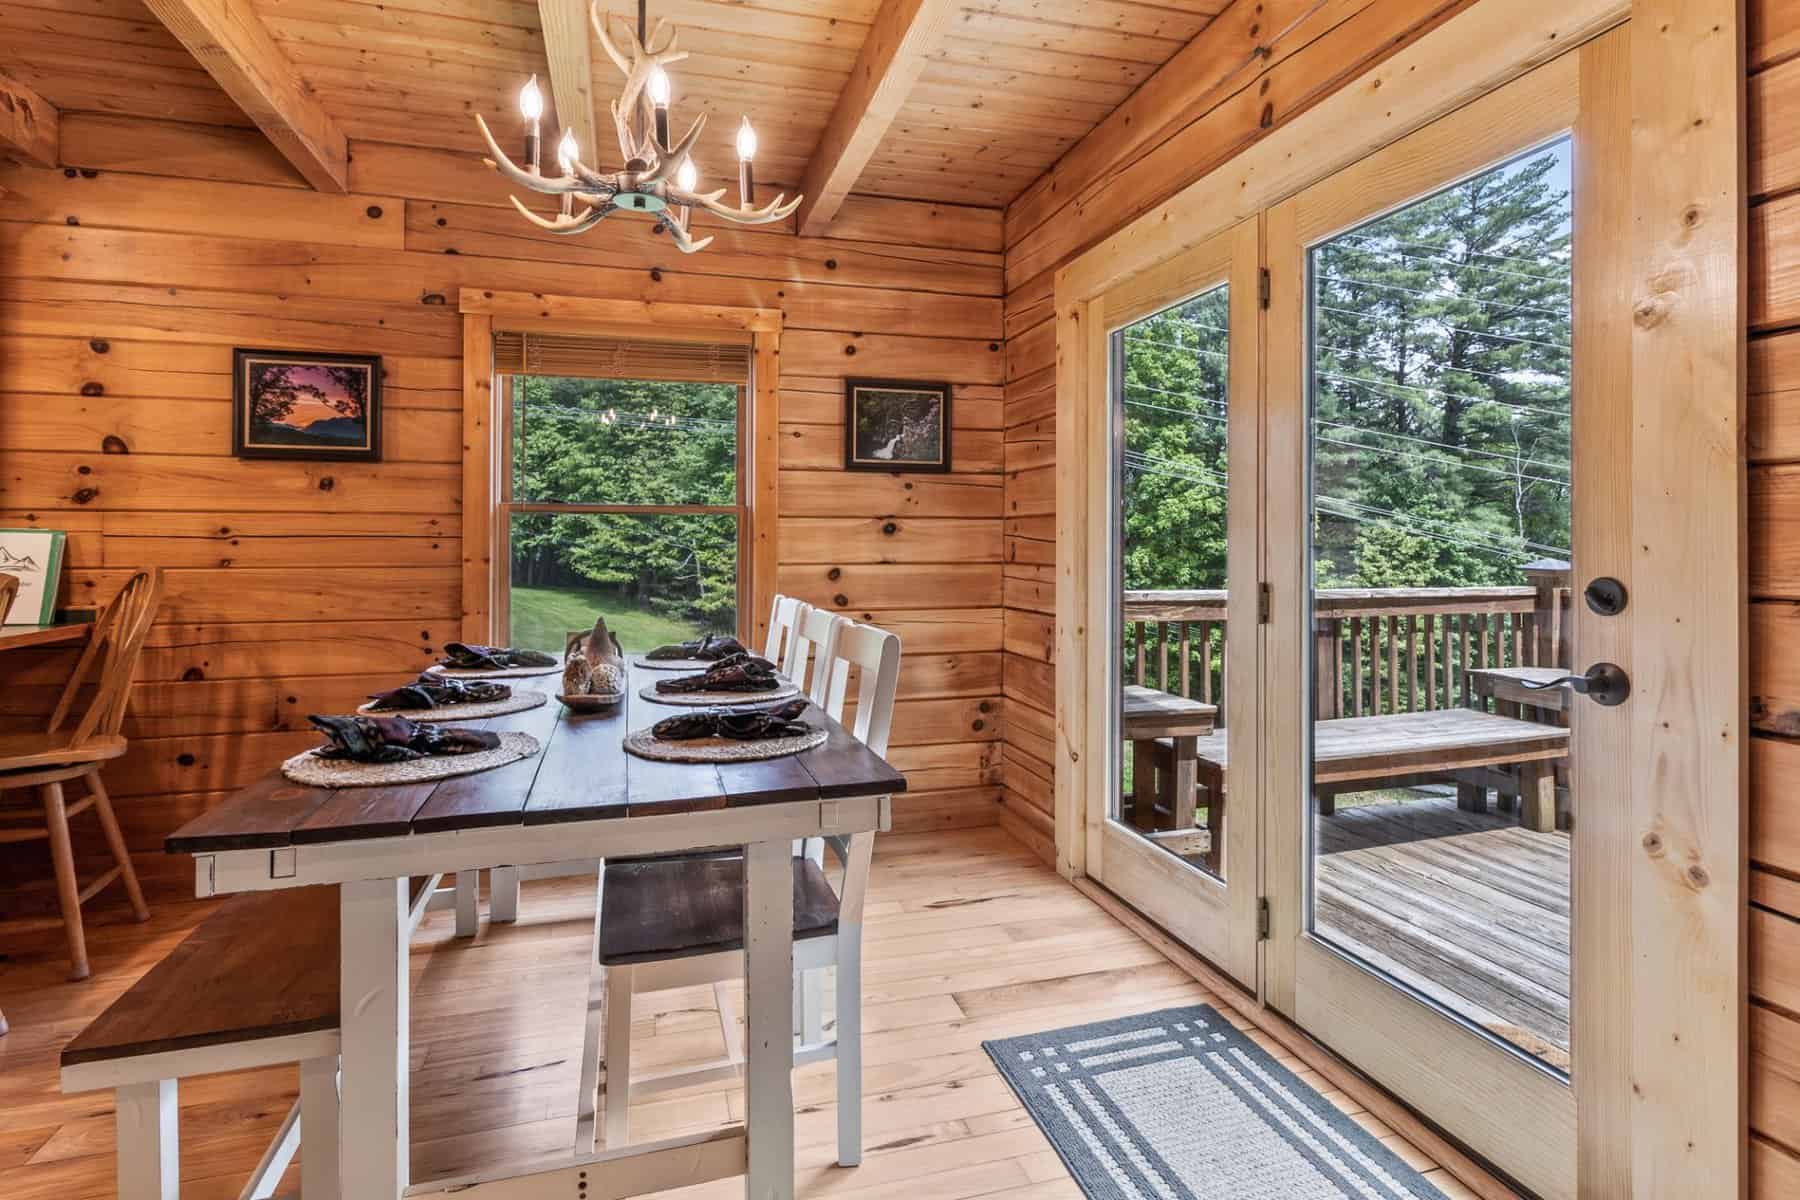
531	100
567	151
658	87
687	175
746	141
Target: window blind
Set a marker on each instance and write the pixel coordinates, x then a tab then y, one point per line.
619	358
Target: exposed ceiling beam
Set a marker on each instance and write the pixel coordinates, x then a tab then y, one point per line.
568	43
234	46
28	124
900	40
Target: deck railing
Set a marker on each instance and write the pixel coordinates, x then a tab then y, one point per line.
1376	650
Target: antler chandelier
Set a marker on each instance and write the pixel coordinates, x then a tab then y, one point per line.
659	178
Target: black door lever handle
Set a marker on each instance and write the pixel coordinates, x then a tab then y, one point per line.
1604	683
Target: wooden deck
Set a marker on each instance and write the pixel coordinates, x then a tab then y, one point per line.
1469	909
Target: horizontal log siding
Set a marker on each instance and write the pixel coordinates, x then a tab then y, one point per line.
1773	448
299	587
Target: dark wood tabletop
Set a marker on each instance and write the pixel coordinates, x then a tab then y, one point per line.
581	774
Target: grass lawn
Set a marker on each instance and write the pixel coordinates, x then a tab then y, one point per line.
543	617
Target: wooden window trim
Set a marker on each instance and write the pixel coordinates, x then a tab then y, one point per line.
486	423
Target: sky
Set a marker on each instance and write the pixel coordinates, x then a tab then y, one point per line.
307	410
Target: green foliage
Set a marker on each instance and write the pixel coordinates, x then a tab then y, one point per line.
1440	399
543	617
601	441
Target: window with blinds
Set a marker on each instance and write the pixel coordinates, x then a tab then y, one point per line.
610	358
623	493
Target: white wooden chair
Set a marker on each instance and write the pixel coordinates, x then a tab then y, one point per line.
647	944
785	616
813	642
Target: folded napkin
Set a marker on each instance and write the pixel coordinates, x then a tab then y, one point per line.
439	691
740	725
739	673
708	649
467	657
396	739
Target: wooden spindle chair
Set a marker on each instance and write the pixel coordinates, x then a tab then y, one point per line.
785	616
81	736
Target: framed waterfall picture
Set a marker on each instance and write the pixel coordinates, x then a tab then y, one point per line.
33	557
289	404
896	425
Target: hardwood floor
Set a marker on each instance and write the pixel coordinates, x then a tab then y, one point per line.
968	937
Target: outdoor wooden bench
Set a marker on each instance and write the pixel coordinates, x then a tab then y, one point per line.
254	985
1397	749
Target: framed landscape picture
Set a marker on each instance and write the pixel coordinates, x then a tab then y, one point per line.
288	404
34	557
896	425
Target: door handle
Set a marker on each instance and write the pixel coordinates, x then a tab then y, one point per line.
1603	683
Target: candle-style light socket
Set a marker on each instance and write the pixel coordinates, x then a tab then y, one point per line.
533	146
662	126
746	184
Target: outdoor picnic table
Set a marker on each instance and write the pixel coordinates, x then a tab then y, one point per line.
582	797
1148	715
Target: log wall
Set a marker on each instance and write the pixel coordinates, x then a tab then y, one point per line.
1253	69
296	587
1773	449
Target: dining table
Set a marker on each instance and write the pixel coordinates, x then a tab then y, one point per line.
581	797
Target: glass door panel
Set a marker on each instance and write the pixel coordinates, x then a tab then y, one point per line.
1440	356
1175	819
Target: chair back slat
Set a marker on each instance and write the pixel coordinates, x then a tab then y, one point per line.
784	617
875	653
814	641
110	657
9	591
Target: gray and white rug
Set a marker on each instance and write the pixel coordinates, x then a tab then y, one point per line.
1178	1105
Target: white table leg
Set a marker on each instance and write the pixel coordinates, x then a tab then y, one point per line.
468	903
319	1129
148	1140
768	987
503	895
373	1136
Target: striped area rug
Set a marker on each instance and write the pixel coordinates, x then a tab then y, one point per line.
1178	1105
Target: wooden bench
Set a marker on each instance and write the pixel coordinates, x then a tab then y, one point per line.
1398	749
1154	722
254	985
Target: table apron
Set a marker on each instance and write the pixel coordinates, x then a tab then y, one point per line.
222	872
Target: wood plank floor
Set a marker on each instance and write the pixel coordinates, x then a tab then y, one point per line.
968	936
1470	909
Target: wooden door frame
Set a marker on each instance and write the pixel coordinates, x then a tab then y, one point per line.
1661	1099
1196	898
484	463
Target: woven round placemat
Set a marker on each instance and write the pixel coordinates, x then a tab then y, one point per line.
308	768
713	699
644	744
503	673
673	664
517	702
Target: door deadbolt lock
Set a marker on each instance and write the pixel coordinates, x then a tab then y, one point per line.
1606	596
1604	683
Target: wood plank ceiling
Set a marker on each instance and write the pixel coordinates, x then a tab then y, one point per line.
1006	86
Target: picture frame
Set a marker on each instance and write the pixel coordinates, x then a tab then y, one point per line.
35	557
897	425
297	404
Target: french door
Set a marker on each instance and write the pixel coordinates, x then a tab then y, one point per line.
1173	823
1351	467
1442	416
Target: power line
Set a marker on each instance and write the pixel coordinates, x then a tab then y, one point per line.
1453	262
1394	287
1524	258
1426	391
1150	341
1510	337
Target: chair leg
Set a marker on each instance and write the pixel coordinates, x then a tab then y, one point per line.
148	1141
468	896
503	895
319	1129
849	1045
812	1006
616	1105
68	893
109	825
